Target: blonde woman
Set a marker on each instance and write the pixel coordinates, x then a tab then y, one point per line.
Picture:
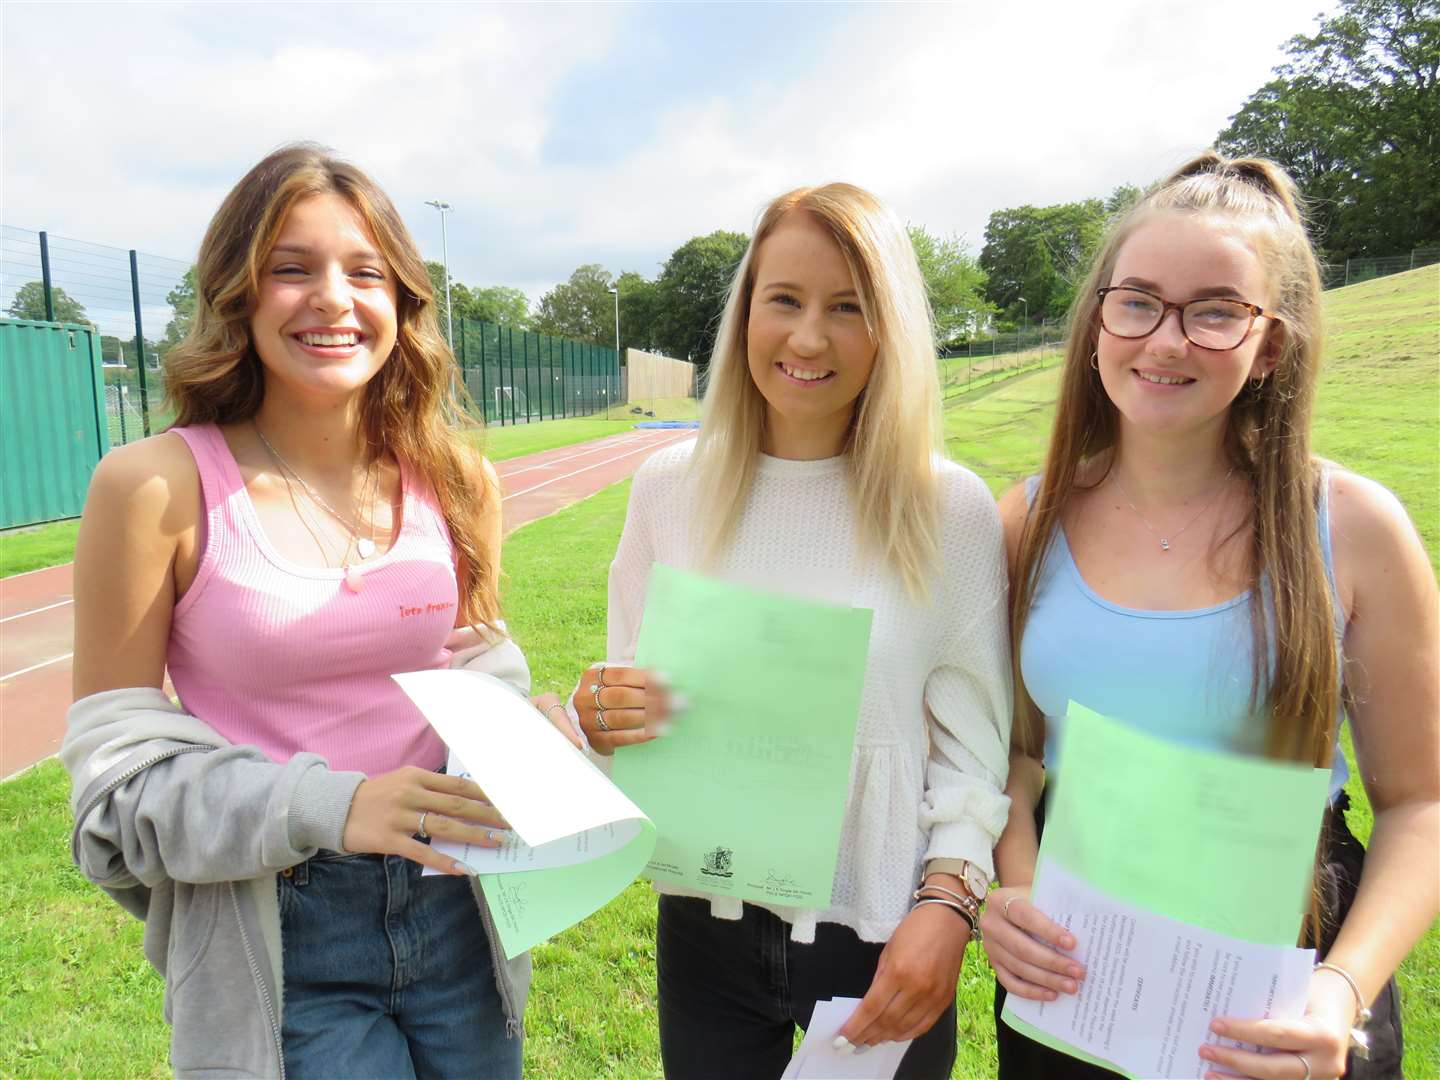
818	471
271	828
1186	565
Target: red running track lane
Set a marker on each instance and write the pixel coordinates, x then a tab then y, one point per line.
37	612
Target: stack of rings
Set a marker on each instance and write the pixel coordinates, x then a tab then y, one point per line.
595	689
420	832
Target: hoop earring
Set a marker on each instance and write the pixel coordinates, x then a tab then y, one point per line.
1257	384
1095	360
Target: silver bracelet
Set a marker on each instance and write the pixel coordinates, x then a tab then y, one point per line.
969	919
1359	1038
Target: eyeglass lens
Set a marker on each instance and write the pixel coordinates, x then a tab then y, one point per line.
1211	324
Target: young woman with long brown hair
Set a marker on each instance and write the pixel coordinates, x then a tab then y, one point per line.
311	524
818	471
1185	564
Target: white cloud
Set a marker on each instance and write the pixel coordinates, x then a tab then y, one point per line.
949	111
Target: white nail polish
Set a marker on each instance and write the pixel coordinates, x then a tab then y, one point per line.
679	703
842	1045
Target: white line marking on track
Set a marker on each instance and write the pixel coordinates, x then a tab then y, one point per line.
689	434
611	443
36	611
36	667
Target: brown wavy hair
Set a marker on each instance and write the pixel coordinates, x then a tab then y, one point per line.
412	407
1295	680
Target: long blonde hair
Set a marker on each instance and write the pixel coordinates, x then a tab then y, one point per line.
1295	678
215	376
894	438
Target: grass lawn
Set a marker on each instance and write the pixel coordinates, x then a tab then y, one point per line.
80	999
43	545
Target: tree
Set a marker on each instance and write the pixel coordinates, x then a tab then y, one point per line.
182	302
1039	253
639	312
436	272
29	303
1354	117
498	304
580	308
692	288
954	281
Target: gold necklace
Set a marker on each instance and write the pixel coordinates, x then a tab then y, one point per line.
364	546
1165	541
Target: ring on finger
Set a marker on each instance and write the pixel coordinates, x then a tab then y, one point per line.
420	832
600	673
1005	907
600	719
1303	1061
595	693
557	705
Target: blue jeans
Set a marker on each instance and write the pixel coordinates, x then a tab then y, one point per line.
732	992
387	974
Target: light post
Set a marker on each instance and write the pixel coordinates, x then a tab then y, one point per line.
445	208
615	292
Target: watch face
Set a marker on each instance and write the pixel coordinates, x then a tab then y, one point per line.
977	881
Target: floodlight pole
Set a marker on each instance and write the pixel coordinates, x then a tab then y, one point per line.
1023	321
445	208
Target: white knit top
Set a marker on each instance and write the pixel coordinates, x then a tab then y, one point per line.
932	742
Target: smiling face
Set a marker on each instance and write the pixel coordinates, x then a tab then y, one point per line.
325	321
807	344
1162	382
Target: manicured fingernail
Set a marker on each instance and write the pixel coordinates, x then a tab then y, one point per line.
1207	1053
842	1045
660	729
679	703
1070	987
1077	972
1067	942
1217	1026
458	868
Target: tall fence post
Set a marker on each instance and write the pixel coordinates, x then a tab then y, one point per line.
139	345
484	394
510	340
45	285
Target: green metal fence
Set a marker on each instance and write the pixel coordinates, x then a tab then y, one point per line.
52	419
519	377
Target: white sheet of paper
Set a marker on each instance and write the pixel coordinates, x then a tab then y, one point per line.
548	789
817	1059
1153	984
515	855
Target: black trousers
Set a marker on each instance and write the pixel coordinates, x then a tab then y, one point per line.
1021	1058
732	992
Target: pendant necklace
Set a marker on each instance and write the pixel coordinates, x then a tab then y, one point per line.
364	546
1165	540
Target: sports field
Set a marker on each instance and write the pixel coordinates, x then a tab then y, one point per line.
81	1000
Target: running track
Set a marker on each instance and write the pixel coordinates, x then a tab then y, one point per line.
36	612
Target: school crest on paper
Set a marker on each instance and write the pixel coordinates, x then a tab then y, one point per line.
716	862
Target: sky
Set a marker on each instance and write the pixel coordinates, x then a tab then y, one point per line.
611	133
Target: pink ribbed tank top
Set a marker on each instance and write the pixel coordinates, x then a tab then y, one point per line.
285	657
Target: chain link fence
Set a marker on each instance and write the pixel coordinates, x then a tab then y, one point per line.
1355	271
520	377
139	302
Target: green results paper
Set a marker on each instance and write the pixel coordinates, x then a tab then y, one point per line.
1217	840
748	790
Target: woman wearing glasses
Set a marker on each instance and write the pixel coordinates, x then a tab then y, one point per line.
1180	530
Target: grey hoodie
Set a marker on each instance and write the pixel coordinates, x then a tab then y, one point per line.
186	832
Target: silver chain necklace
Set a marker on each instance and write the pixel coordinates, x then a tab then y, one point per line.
364	545
1164	540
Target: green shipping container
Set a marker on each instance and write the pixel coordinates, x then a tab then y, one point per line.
52	419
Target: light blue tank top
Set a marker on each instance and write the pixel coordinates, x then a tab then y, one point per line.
1182	675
